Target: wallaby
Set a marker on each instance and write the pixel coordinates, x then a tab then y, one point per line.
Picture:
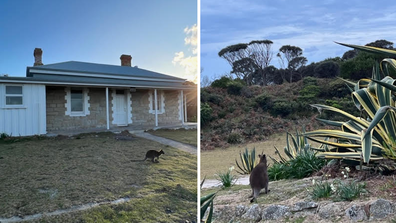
152	154
259	178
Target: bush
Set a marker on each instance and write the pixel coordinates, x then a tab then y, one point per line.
206	114
227	179
234	88
321	190
310	92
246	92
215	99
309	81
303	165
263	101
235	138
328	69
281	108
222	82
336	88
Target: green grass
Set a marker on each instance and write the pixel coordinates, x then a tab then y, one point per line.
47	174
188	136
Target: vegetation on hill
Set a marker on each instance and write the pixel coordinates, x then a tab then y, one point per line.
257	100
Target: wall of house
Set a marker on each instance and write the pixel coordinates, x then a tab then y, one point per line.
141	107
28	118
56	109
58	120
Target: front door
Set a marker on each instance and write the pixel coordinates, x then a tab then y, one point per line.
121	115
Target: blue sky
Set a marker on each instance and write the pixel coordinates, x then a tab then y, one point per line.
309	24
159	35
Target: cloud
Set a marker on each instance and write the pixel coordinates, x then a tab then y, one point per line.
188	62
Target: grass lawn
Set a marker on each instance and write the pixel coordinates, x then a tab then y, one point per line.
219	160
40	174
188	136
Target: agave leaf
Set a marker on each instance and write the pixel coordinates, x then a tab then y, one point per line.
341	112
333	134
336	144
370	49
210	215
207	197
363	98
330	122
366	145
377	118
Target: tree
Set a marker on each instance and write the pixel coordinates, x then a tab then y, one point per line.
261	54
245	66
234	53
381	44
292	55
248	59
327	69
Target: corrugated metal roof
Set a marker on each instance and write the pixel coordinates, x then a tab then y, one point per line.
101	69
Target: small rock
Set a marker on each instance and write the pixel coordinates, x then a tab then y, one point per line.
380	209
274	212
356	213
331	210
299	206
253	213
240	210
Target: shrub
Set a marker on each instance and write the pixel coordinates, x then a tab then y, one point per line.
222	82
309	81
321	190
310	91
263	101
328	69
227	179
246	92
215	99
281	108
206	114
234	138
234	88
303	165
349	191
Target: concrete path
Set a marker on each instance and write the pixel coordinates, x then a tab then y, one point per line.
182	146
243	180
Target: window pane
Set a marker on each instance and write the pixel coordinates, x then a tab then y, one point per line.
13	89
76	94
76	105
13	100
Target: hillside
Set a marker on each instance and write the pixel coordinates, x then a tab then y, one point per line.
232	113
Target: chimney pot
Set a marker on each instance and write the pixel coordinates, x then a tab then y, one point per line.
37	57
126	60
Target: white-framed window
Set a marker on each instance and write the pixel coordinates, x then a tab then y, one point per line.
77	102
13	95
160	102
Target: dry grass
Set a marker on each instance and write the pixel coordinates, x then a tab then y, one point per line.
46	174
219	160
188	136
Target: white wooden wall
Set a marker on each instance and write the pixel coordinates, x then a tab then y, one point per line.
29	119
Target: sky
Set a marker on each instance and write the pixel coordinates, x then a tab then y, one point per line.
160	36
309	24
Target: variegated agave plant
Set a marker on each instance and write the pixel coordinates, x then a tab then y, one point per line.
372	135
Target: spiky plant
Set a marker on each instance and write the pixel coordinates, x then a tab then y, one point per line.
369	137
248	161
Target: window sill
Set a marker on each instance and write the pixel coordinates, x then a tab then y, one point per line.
158	112
14	107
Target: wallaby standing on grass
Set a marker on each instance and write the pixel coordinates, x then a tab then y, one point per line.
259	178
152	154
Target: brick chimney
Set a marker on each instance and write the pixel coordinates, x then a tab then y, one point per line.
37	57
126	60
